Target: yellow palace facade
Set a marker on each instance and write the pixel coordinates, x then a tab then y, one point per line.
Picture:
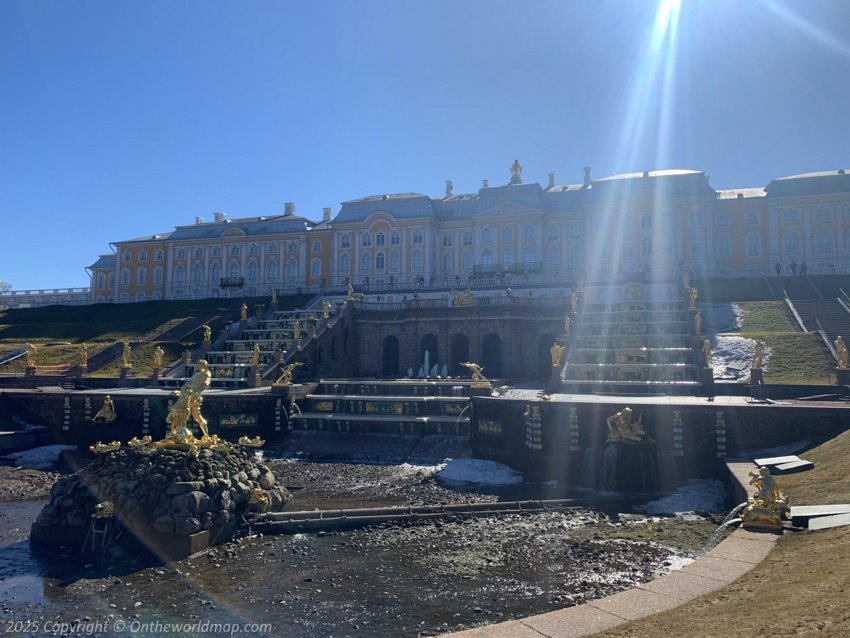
652	225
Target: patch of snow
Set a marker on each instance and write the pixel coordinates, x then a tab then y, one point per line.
38	458
478	471
677	562
735	351
697	494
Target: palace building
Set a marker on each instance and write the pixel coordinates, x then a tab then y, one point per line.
653	224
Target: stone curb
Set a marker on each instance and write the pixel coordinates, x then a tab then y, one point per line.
735	556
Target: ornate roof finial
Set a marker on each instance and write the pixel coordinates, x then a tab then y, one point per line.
449	188
516	172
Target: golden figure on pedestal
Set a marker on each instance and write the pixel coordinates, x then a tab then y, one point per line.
157	357
296	330
768	505
326	309
31	352
84	355
243	313
568	322
274	295
758	356
106	414
207	333
706	351
286	373
698	324
125	354
557	352
694	295
478	378
574	302
622	429
841	351
255	355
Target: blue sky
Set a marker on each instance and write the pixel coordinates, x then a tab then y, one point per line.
120	119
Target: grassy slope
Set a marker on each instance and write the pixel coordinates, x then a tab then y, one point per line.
797	357
802	587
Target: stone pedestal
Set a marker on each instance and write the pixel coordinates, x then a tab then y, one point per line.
125	373
757	376
254	378
843	376
708	381
555	378
243	323
155	374
187	356
480	390
30	372
206	344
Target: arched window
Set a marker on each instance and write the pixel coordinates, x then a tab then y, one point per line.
417	260
646	221
317	246
366	262
252	249
179	274
345	241
824	244
379	261
487	259
507	257
466	261
316	268
791	243
366	239
140	296
447	240
252	270
181	253
199	252
646	247
127	256
697	245
101	280
753	245
507	233
292	248
197	273
722	220
576	254
158	256
447	262
528	233
467	239
234	251
215	274
111	280
574	231
292	268
552	233
529	257
486	235
345	262
395	260
722	246
380	239
417	236
271	270
233	270
143	255
157	294
271	247
395	238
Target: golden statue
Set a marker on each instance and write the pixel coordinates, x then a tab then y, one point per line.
274	295
574	302
840	350
350	296
622	429
557	352
768	505
84	355
248	442
125	354
516	170
207	333
189	404
698	324
138	443
568	322
255	355
478	378
694	295
326	309
157	357
286	373
296	330
243	313
102	448
31	352
106	414
706	350
759	354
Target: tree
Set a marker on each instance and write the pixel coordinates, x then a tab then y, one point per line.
5	286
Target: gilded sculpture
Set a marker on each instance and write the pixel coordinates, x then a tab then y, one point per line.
286	373
106	414
698	324
516	170
84	355
768	505
758	356
207	333
568	322
326	309
188	404
296	334
125	354
274	296
157	357
841	352
31	352
622	429
255	355
706	351
478	378
557	352
574	302
694	295
243	313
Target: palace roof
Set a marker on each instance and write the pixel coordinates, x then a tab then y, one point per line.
104	261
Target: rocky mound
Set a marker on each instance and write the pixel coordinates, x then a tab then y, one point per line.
165	492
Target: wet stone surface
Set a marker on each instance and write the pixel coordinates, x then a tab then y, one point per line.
389	580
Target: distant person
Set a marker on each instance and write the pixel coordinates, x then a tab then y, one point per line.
778	269
793	268
803	269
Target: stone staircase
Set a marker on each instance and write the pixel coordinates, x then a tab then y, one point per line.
386	407
633	346
833	317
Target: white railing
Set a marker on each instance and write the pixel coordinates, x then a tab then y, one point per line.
45	297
